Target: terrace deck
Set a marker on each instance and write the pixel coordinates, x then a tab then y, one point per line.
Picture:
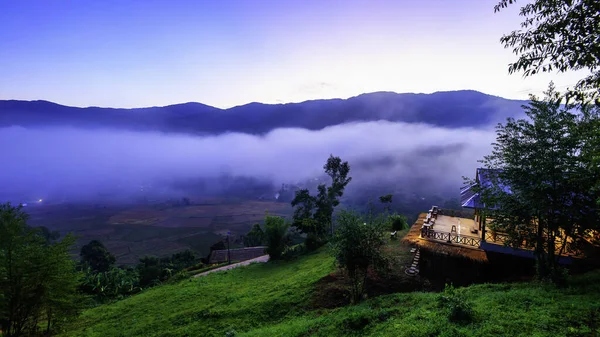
442	246
452	235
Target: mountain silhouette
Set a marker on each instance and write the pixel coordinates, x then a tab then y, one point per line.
451	109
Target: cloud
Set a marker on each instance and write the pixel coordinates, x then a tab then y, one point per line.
81	162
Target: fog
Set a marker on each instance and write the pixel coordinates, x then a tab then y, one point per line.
81	164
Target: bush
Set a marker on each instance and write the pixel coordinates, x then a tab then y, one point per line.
459	309
294	251
313	242
397	222
276	236
357	246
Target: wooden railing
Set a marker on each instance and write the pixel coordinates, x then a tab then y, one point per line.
451	238
496	237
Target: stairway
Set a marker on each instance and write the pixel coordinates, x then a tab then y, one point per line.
413	270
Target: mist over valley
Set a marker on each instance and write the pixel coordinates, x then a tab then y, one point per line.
102	162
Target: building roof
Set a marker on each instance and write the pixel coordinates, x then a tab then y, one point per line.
484	177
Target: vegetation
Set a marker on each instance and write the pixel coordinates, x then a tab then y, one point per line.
236	300
313	215
115	283
276	236
562	36
550	206
357	246
255	237
558	36
396	222
274	299
96	256
459	309
38	279
119	282
386	200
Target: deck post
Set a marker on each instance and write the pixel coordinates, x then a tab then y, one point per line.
482	227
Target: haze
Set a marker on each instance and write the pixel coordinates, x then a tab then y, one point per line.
79	164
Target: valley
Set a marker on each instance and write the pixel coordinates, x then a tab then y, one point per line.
131	232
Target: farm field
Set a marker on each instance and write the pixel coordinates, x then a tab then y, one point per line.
134	231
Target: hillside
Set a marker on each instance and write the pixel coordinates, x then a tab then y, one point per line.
274	299
447	109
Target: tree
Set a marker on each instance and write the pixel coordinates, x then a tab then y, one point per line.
38	279
357	246
550	204
97	256
558	35
386	200
255	236
314	214
276	236
397	222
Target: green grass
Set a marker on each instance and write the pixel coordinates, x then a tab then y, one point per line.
273	299
241	299
524	309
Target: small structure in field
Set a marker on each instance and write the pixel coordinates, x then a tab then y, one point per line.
237	255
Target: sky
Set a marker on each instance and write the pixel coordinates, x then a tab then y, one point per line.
224	53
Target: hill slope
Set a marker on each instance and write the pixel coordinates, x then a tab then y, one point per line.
448	109
272	300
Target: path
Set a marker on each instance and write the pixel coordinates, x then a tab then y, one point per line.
263	259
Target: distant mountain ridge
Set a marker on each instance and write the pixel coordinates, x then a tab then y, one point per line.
451	109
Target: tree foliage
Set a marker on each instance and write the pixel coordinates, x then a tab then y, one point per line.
557	35
38	278
545	161
95	255
396	222
357	246
314	214
276	236
255	237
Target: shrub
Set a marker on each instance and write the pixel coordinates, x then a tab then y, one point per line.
396	222
459	309
313	242
294	251
276	236
357	246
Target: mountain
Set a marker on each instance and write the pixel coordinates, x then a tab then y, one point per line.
452	109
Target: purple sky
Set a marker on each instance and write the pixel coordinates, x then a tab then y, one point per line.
229	52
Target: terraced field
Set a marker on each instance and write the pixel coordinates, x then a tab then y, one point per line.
135	231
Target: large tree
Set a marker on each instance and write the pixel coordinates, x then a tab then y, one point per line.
314	214
550	203
561	35
38	278
557	35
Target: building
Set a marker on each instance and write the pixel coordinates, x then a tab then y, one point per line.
464	249
237	255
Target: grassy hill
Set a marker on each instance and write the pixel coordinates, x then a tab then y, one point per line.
274	299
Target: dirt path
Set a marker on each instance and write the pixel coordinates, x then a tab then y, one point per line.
263	259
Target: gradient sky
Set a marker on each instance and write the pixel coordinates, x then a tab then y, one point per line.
225	53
